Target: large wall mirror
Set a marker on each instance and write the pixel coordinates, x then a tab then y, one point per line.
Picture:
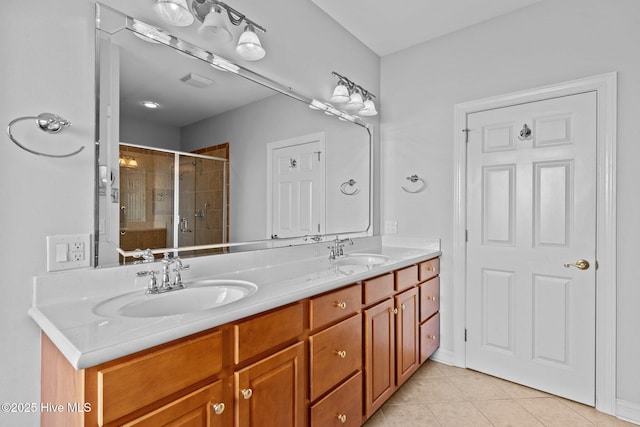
228	161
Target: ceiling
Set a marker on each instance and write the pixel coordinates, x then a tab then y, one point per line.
389	26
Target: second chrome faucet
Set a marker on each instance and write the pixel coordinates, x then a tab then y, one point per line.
337	250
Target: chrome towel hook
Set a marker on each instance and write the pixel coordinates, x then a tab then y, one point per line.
351	183
414	179
47	122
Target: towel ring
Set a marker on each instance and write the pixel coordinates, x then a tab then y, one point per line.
47	122
351	183
415	178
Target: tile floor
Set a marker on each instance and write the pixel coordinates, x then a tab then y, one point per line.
446	396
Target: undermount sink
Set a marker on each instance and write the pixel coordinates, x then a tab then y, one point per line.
371	260
196	296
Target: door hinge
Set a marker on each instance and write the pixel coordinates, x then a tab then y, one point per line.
465	334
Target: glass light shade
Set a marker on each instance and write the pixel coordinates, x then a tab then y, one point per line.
214	28
174	12
369	109
355	102
340	94
249	46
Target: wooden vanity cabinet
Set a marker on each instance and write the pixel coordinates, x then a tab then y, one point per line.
332	359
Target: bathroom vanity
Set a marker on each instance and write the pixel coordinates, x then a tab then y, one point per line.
334	344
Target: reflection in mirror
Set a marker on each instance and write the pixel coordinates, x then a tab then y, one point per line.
228	161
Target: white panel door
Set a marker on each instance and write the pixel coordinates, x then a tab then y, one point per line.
298	190
532	209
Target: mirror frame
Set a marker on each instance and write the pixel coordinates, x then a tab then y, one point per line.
163	37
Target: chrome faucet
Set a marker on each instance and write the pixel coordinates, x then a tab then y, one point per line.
337	250
168	282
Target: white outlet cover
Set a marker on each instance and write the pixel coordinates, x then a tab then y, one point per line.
78	247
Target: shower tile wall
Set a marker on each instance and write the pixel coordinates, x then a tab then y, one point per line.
215	192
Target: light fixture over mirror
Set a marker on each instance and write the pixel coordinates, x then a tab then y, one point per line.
353	96
213	27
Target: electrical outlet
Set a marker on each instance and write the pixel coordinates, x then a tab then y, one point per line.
68	251
391	226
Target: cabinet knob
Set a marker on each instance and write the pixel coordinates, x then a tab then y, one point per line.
395	310
402	306
218	408
431	337
431	298
246	393
430	268
341	304
341	353
342	418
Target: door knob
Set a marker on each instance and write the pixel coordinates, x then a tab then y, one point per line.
582	264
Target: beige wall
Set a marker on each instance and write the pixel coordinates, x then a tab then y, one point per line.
549	42
47	64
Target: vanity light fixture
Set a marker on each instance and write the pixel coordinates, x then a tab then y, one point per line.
354	96
174	12
210	14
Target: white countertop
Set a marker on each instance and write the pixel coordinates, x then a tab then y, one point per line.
63	303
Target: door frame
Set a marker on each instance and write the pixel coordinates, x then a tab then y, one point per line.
605	85
297	140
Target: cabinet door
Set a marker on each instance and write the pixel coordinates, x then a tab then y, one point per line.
202	408
379	355
407	336
270	393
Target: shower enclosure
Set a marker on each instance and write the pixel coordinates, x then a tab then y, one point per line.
171	199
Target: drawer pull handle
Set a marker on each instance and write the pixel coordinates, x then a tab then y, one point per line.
430	268
342	418
341	353
246	393
431	337
431	298
341	304
218	408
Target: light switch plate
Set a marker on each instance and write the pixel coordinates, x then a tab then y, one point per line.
70	251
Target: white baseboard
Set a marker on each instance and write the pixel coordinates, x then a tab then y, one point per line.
443	356
628	411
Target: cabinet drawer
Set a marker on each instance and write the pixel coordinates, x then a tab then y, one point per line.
335	353
406	278
429	337
191	410
429	268
257	335
378	288
135	383
328	308
429	298
343	407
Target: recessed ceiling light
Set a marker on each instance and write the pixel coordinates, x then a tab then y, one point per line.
150	104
